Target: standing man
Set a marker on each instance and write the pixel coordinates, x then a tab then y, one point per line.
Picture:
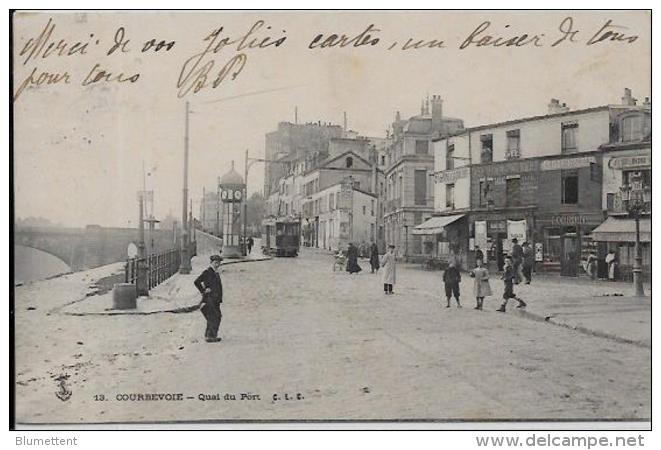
388	265
374	257
251	242
528	261
508	278
517	259
211	288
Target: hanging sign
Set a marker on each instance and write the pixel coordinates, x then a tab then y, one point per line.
515	229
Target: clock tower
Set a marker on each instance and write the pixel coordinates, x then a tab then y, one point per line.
232	188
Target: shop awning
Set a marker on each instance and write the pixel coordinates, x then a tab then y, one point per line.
622	230
435	225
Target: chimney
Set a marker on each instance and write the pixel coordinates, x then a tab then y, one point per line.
398	117
627	99
554	107
436	112
345	121
422	107
296	115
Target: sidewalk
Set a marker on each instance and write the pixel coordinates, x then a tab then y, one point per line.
175	295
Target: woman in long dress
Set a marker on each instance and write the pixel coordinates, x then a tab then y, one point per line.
352	259
389	269
481	286
611	263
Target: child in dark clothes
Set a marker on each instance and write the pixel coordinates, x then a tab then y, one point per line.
451	278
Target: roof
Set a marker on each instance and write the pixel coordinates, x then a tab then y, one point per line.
231	177
622	230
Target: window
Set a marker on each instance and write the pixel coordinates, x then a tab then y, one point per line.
569	131
569	187
420	187
356	184
417	218
634	128
383	160
331	198
372	208
421	147
349	161
364	210
449	196
486	153
513	144
513	191
449	158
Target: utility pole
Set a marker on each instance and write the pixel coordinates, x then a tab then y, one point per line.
185	267
245	206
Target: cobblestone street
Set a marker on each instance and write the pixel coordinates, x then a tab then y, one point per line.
308	343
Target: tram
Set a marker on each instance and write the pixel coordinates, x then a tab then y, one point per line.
281	237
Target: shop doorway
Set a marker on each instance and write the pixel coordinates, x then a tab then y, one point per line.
569	266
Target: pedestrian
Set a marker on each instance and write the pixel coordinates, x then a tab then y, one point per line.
508	278
452	278
611	262
211	288
528	261
517	259
481	286
592	266
352	259
389	269
479	254
251	242
374	257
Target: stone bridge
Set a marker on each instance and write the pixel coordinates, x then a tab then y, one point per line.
86	248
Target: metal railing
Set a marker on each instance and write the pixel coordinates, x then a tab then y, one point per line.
156	268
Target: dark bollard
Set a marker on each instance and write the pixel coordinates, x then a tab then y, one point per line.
124	296
142	277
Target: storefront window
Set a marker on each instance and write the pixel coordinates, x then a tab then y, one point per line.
552	245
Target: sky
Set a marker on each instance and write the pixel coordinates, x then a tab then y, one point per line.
79	147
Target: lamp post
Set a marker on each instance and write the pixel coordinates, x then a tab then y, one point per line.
185	267
636	198
406	237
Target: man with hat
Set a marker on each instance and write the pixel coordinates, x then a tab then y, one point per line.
211	288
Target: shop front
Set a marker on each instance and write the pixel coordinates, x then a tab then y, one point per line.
564	241
448	235
492	233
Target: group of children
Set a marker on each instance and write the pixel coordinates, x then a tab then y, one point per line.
481	286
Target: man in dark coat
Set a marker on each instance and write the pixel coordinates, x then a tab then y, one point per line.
211	288
374	257
528	261
352	259
251	242
517	259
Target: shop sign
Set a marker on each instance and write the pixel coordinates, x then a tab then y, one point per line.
450	176
539	254
568	163
574	219
496	225
630	162
509	168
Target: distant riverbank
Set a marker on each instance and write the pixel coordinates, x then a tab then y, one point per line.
31	264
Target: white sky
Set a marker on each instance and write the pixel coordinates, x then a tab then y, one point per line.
78	151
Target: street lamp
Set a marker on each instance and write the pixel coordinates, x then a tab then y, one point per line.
636	198
406	237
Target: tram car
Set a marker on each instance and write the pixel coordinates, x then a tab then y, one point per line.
281	237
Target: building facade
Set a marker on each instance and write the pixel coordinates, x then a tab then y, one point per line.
538	179
409	171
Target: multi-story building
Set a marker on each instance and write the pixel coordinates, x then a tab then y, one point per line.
537	178
307	191
210	216
294	141
409	171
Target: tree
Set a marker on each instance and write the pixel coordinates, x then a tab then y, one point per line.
256	208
